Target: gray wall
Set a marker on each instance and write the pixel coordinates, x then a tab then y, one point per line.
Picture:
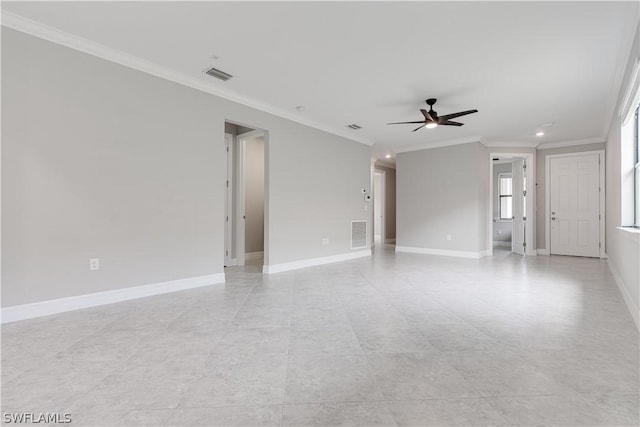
443	191
541	180
390	201
501	228
254	195
622	247
100	160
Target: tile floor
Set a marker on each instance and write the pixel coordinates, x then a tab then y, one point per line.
398	339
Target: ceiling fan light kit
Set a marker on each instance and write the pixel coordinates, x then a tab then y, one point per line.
432	120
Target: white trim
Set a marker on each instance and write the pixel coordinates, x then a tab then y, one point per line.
543	251
61	305
631	95
547	196
511	144
558	144
311	262
633	310
390	241
228	207
240	204
443	252
54	35
233	262
439	144
383	204
502	244
253	255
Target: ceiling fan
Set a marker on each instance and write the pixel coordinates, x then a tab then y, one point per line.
432	120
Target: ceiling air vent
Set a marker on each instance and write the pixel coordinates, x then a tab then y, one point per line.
214	72
354	126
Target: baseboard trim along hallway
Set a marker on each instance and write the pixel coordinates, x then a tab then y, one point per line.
311	262
628	300
61	305
443	252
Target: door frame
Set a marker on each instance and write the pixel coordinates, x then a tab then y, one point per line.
383	201
530	175
229	260
514	194
547	196
240	194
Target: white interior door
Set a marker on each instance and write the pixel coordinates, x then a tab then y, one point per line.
574	205
228	256
517	235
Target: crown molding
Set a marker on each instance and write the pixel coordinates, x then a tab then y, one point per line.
624	57
514	144
631	93
54	35
586	141
438	144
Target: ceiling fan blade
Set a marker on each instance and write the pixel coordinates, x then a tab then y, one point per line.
450	123
420	127
427	115
404	123
454	115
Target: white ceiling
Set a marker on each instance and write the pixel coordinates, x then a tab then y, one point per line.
521	64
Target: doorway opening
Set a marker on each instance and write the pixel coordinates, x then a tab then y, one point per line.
246	196
511	204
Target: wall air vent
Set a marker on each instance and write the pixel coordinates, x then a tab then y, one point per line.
358	234
214	72
354	126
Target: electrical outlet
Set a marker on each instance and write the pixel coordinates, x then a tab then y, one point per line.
448	236
325	241
94	264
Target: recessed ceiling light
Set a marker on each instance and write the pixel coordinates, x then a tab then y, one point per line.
540	134
544	125
388	156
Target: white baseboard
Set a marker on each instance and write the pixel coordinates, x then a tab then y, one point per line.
232	263
391	240
249	256
286	266
633	309
443	252
543	251
61	305
502	244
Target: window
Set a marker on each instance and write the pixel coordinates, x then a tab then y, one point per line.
636	171
505	191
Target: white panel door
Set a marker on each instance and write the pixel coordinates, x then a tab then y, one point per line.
574	199
517	235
